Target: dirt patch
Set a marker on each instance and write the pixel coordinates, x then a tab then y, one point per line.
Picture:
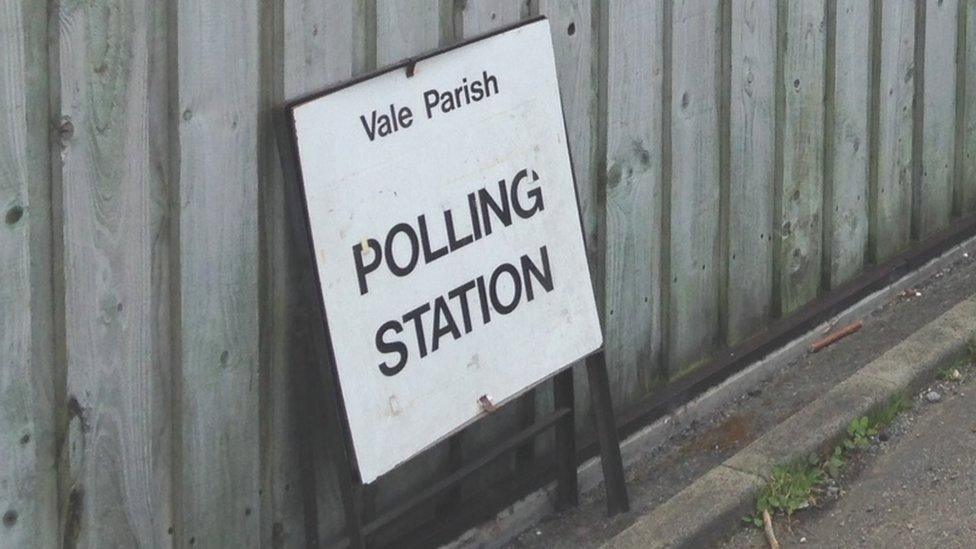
728	435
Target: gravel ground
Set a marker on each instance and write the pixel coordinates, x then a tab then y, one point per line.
707	444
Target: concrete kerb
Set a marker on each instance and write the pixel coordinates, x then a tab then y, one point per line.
910	364
707	510
694	515
510	522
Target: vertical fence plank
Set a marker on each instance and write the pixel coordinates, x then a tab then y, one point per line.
405	28
633	180
938	118
801	200
472	19
27	372
959	116
574	42
751	180
479	16
848	207
695	177
318	44
116	262
968	159
218	87
893	192
314	48
573	38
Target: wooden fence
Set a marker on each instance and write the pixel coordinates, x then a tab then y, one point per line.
735	160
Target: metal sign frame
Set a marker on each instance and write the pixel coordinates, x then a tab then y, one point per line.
330	408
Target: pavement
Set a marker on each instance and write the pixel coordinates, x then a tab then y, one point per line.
917	490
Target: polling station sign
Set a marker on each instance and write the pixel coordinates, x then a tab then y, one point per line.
447	238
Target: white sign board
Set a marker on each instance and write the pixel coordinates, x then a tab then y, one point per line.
447	239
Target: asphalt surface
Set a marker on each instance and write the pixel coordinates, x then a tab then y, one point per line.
920	493
916	490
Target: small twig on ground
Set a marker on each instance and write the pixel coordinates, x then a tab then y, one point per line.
836	336
768	527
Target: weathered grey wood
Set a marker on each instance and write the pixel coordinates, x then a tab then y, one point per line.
752	166
938	118
571	24
695	177
959	187
28	400
848	208
632	309
471	19
114	141
170	268
801	199
968	160
405	28
891	225
575	44
314	48
218	173
318	44
479	16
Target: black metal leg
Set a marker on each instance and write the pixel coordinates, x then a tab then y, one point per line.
350	494
328	411
567	492
309	409
337	447
525	454
606	432
349	487
455	460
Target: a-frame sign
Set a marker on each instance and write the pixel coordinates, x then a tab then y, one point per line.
438	201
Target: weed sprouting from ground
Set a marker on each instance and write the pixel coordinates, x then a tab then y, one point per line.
953	372
789	489
793	487
859	434
898	404
835	462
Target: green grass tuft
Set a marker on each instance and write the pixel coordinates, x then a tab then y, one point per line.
793	487
789	489
897	404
